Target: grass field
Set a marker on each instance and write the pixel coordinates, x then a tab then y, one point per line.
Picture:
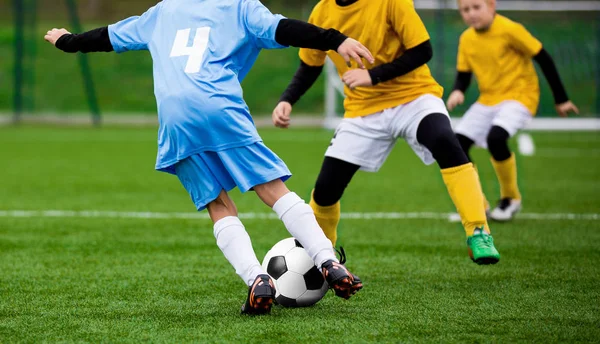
124	274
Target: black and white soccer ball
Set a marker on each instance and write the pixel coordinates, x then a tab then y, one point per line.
298	282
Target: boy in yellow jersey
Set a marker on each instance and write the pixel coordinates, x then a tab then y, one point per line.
499	52
396	98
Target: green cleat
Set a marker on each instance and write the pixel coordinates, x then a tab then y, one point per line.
481	248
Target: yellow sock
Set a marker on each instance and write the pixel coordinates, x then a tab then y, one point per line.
465	190
486	204
328	218
506	171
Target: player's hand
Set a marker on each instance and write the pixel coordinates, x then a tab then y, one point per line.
281	115
357	77
53	35
456	98
565	108
353	49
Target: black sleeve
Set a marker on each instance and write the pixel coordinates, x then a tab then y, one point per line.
94	40
551	73
409	61
300	34
304	78
462	82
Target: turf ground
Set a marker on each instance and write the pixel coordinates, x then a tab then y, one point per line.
124	257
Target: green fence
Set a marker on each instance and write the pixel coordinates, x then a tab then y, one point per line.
123	83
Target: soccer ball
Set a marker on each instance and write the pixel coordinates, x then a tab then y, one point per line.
298	282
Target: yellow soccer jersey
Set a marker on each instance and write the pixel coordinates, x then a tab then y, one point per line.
501	59
387	28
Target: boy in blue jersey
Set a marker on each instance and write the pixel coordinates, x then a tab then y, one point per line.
201	52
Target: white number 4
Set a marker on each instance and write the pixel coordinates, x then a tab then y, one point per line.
195	52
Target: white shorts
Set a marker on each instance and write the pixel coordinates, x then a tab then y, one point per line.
510	115
367	141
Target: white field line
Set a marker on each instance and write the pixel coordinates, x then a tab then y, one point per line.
299	120
453	217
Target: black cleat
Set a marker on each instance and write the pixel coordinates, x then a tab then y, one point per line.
356	283
260	296
343	282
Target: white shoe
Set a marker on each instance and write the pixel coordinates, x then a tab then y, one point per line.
506	209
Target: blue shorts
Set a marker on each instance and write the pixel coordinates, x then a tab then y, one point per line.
204	175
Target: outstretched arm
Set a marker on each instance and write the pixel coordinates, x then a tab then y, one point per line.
563	104
274	31
296	33
90	41
133	33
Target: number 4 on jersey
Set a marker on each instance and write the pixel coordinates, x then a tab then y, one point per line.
195	52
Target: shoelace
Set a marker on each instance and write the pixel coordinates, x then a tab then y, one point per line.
486	241
342	255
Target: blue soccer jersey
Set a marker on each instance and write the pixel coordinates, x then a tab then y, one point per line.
201	51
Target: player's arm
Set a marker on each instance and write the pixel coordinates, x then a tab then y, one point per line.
302	81
409	27
463	78
410	60
274	31
133	33
96	40
462	81
311	67
563	104
461	84
524	42
296	33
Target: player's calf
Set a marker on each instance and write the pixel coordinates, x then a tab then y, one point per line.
261	295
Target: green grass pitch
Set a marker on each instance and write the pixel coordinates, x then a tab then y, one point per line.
65	277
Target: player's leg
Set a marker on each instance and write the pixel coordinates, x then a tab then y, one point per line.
512	116
298	218
256	167
466	144
358	143
474	126
198	175
430	134
300	221
505	166
334	177
235	243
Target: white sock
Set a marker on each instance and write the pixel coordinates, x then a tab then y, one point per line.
234	242
299	219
